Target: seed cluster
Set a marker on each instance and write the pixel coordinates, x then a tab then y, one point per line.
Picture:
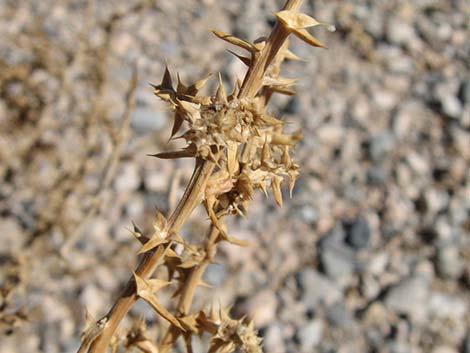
249	146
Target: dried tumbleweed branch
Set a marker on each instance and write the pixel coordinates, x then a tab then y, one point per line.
238	147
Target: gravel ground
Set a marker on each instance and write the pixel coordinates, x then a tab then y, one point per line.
371	254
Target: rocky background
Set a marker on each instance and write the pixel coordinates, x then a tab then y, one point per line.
372	253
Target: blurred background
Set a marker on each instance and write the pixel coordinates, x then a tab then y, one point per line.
371	254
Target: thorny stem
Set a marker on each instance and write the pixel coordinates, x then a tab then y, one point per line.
254	78
195	276
192	197
250	87
189	289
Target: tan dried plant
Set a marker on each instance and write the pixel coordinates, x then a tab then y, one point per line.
238	147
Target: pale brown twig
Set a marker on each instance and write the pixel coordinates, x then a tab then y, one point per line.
250	87
191	198
207	158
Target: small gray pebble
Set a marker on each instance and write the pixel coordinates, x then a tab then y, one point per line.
317	289
359	236
466	344
216	275
451	106
381	146
310	335
398	347
147	119
449	264
446	306
464	92
339	316
377	175
399	32
337	261
409	297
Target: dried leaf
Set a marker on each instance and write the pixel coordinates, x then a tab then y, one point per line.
201	283
159	237
297	20
284	139
145	290
166	82
177	123
293	176
223	234
245	205
181	88
276	187
279	81
235	241
220	346
224	313
166	96
263	186
188	152
146	346
291	56
270	120
266	156
236	88
260	43
235	41
232	162
137	338
160	224
286	160
243	59
191	110
302	34
221	95
136	232
194	89
227	348
189	322
282	90
171	253
245	187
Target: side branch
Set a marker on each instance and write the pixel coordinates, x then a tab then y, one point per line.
191	198
254	78
206	115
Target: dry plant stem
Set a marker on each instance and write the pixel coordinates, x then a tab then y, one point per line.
191	198
254	78
189	289
250	87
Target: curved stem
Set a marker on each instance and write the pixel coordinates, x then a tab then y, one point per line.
254	78
252	83
191	198
189	290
